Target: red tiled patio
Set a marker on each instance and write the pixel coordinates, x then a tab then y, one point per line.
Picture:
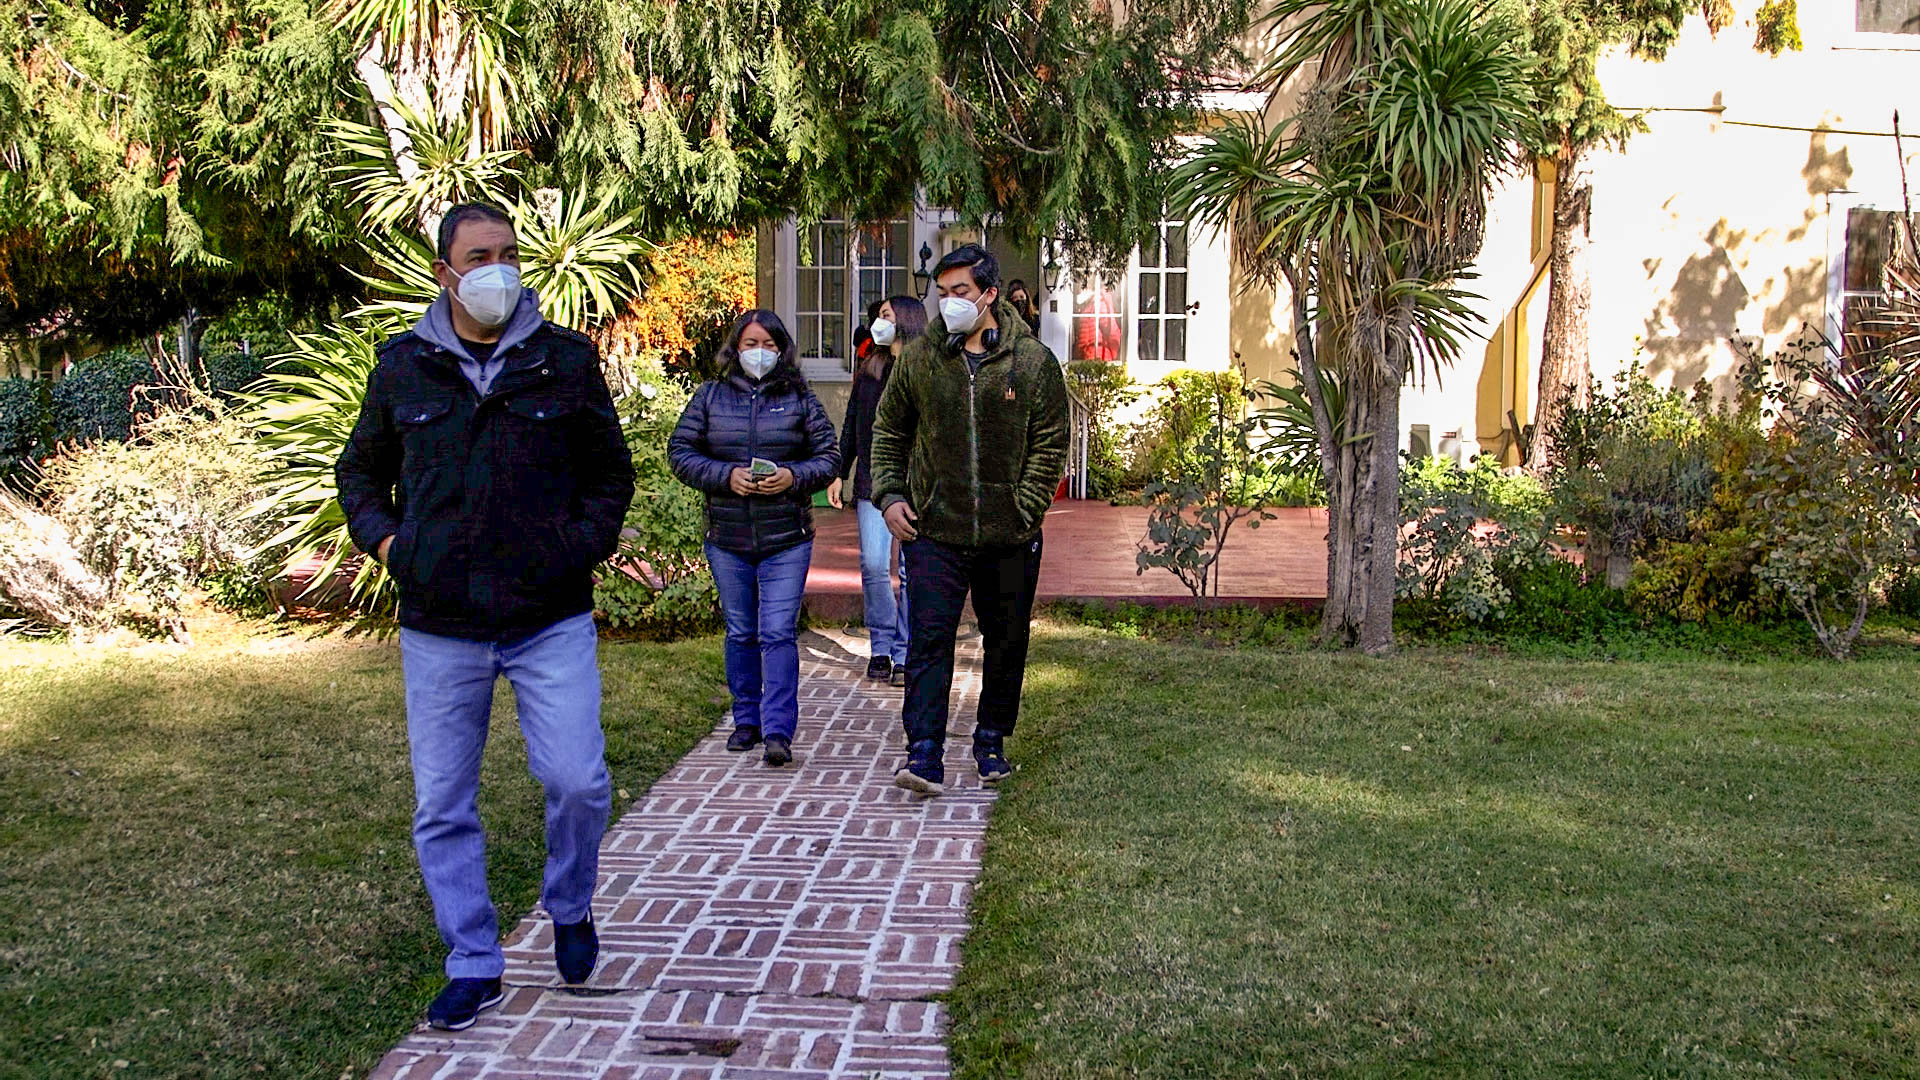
1090	556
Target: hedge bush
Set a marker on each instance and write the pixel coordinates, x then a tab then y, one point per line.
98	399
25	424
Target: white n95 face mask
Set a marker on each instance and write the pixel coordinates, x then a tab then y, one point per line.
757	362
959	314
882	332
491	293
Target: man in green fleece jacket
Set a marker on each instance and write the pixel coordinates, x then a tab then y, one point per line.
969	444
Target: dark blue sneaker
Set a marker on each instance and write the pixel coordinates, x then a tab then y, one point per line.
779	751
990	754
460	1004
575	949
923	771
744	738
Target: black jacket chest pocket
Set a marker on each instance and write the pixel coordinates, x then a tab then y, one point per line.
428	431
537	428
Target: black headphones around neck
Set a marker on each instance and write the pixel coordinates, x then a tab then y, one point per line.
990	340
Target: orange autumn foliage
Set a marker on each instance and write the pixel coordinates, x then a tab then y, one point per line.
695	286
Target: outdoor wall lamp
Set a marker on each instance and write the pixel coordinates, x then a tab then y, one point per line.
1052	268
922	276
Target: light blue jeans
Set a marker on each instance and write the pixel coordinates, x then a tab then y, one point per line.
555	676
886	605
761	602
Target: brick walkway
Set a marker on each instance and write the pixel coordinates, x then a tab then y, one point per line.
754	922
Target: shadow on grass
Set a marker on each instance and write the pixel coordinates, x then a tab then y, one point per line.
208	870
1269	864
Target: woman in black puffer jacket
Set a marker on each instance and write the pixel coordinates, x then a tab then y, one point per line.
759	524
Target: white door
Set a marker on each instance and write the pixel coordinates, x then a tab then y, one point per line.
1179	286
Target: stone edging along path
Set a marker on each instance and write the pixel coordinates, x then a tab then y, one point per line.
758	923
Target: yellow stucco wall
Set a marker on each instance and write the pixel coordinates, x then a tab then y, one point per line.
1711	225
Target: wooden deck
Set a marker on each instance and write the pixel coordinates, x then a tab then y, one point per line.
1090	556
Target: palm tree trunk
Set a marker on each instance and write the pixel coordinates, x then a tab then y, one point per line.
1376	631
1564	360
1359	607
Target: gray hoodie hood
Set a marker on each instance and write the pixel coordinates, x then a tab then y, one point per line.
436	325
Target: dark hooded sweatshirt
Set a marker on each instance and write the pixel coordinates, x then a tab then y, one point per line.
977	454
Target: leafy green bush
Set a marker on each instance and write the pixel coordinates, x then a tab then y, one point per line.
1630	469
1211	487
1171	445
228	374
1834	521
160	514
1707	574
1471	533
100	397
1103	388
658	584
25	424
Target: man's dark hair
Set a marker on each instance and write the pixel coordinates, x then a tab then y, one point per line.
986	268
460	215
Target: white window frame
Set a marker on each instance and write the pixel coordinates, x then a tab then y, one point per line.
1136	272
786	287
1840	205
1842	15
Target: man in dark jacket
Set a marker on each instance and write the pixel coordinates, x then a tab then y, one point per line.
488	472
969	445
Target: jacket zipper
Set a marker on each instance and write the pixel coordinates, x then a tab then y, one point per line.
973	442
753	447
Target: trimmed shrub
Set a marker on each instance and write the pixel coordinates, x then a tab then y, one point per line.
25	423
99	398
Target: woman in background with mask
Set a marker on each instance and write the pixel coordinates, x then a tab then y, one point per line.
758	444
900	320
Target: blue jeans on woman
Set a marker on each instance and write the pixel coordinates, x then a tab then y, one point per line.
761	601
886	605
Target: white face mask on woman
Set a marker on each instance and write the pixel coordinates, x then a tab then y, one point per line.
490	293
882	332
757	362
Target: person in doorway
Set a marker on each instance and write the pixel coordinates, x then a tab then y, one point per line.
1022	300
900	320
758	444
488	472
969	445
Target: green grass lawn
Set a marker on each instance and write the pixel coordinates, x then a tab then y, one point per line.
1244	862
205	868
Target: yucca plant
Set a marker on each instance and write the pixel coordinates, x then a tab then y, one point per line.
1370	201
443	168
302	411
583	258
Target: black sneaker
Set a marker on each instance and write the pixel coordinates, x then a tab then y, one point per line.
880	667
575	949
460	1004
779	750
923	771
743	738
899	676
990	754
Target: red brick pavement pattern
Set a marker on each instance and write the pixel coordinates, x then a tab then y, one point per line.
788	924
